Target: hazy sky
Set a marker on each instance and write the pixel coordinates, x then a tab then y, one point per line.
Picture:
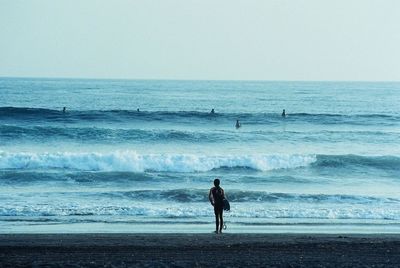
204	39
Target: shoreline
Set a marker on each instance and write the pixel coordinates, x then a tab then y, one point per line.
199	250
14	225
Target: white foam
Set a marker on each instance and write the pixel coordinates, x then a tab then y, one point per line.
308	213
132	161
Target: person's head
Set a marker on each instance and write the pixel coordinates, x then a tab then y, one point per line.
216	182
283	110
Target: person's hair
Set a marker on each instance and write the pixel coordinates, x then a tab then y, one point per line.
216	182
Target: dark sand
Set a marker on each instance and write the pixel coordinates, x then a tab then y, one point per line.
198	250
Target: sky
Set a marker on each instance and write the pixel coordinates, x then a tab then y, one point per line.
356	40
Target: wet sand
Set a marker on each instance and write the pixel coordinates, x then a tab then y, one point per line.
199	250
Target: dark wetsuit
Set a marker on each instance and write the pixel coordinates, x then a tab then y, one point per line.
217	198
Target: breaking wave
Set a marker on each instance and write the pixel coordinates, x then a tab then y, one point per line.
134	162
197	211
131	161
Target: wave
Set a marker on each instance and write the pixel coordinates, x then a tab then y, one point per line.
12	111
234	196
32	177
344	115
20	112
93	134
96	134
71	116
10	134
345	161
134	162
178	212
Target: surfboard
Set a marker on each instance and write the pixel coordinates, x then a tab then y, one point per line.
227	206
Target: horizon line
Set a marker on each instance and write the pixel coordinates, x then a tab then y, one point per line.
190	79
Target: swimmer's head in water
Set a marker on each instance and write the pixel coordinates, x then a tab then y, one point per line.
216	182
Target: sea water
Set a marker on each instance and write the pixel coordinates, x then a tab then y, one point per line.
331	165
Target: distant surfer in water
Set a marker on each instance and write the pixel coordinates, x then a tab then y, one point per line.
283	113
212	111
238	125
216	197
137	110
64	109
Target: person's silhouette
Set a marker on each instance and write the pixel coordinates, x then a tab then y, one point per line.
216	197
238	125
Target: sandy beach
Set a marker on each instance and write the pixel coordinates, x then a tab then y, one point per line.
198	250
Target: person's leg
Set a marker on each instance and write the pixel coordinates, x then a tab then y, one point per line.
216	219
221	221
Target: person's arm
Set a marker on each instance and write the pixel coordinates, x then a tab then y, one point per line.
210	197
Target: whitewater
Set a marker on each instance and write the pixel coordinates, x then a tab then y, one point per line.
141	155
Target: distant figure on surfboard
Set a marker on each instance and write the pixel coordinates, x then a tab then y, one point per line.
137	110
212	111
216	197
238	125
64	109
283	113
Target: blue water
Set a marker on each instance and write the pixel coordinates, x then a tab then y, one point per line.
331	165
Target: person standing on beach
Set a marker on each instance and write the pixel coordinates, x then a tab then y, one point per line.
216	197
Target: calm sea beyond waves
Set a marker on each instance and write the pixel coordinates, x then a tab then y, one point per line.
141	156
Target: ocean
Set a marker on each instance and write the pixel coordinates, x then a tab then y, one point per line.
331	165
